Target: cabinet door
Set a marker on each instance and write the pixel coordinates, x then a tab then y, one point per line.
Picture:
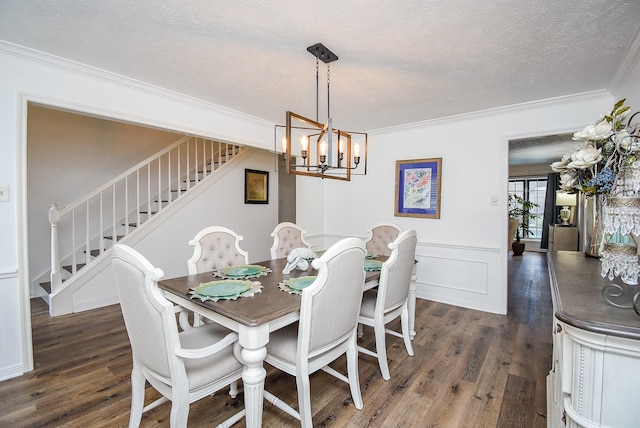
564	238
599	379
555	409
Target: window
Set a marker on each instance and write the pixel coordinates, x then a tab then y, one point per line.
534	190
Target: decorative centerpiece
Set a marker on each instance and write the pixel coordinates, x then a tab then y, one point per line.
606	171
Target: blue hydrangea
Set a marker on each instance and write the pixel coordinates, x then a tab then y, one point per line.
603	181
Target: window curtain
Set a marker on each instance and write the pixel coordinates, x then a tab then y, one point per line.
551	211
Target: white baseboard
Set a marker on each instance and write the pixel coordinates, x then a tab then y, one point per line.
11	372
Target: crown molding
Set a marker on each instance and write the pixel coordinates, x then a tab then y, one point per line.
631	58
83	70
547	102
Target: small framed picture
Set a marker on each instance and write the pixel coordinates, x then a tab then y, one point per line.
418	188
256	186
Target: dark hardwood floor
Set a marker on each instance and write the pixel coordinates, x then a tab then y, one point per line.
470	369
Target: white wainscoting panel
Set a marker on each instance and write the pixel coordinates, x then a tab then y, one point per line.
453	273
471	277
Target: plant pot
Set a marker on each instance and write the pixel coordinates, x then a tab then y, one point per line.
513	229
518	248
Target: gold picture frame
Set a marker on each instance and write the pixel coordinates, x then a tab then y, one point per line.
418	183
256	186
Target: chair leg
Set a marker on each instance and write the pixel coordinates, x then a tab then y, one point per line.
137	396
304	400
233	389
179	408
406	336
381	351
360	331
197	320
354	378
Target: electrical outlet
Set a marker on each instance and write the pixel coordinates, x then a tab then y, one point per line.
4	193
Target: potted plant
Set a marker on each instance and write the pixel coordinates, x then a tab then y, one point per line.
521	210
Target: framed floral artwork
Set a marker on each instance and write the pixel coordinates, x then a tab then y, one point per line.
418	188
256	186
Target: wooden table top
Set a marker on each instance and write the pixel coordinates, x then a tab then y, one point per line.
272	303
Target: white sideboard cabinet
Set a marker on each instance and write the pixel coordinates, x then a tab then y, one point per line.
595	374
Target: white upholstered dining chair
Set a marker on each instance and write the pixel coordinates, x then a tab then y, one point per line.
380	236
390	299
286	237
327	327
183	366
216	247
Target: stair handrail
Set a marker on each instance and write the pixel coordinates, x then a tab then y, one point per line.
199	166
81	200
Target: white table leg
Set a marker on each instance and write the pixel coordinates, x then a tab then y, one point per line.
411	304
253	341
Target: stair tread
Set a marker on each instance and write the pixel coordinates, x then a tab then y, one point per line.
70	267
94	253
46	286
119	237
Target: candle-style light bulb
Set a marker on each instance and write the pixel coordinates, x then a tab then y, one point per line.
323	152
284	148
340	151
356	150
304	144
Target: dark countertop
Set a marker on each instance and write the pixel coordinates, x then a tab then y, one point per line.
576	288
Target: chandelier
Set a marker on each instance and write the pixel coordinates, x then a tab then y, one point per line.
317	149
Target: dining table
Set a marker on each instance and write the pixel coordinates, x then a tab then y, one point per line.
253	318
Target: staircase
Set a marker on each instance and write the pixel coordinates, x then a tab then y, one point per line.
83	232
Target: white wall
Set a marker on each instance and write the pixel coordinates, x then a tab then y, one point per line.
221	205
29	76
462	257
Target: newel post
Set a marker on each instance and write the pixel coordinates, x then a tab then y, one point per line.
56	274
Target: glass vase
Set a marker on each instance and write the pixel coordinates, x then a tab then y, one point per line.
592	228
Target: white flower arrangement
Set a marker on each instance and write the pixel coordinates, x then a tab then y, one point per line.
610	148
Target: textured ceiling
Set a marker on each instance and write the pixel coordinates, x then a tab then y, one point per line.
400	62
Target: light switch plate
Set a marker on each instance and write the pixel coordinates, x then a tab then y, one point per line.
4	193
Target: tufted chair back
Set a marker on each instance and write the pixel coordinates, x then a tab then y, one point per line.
380	236
286	237
216	247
